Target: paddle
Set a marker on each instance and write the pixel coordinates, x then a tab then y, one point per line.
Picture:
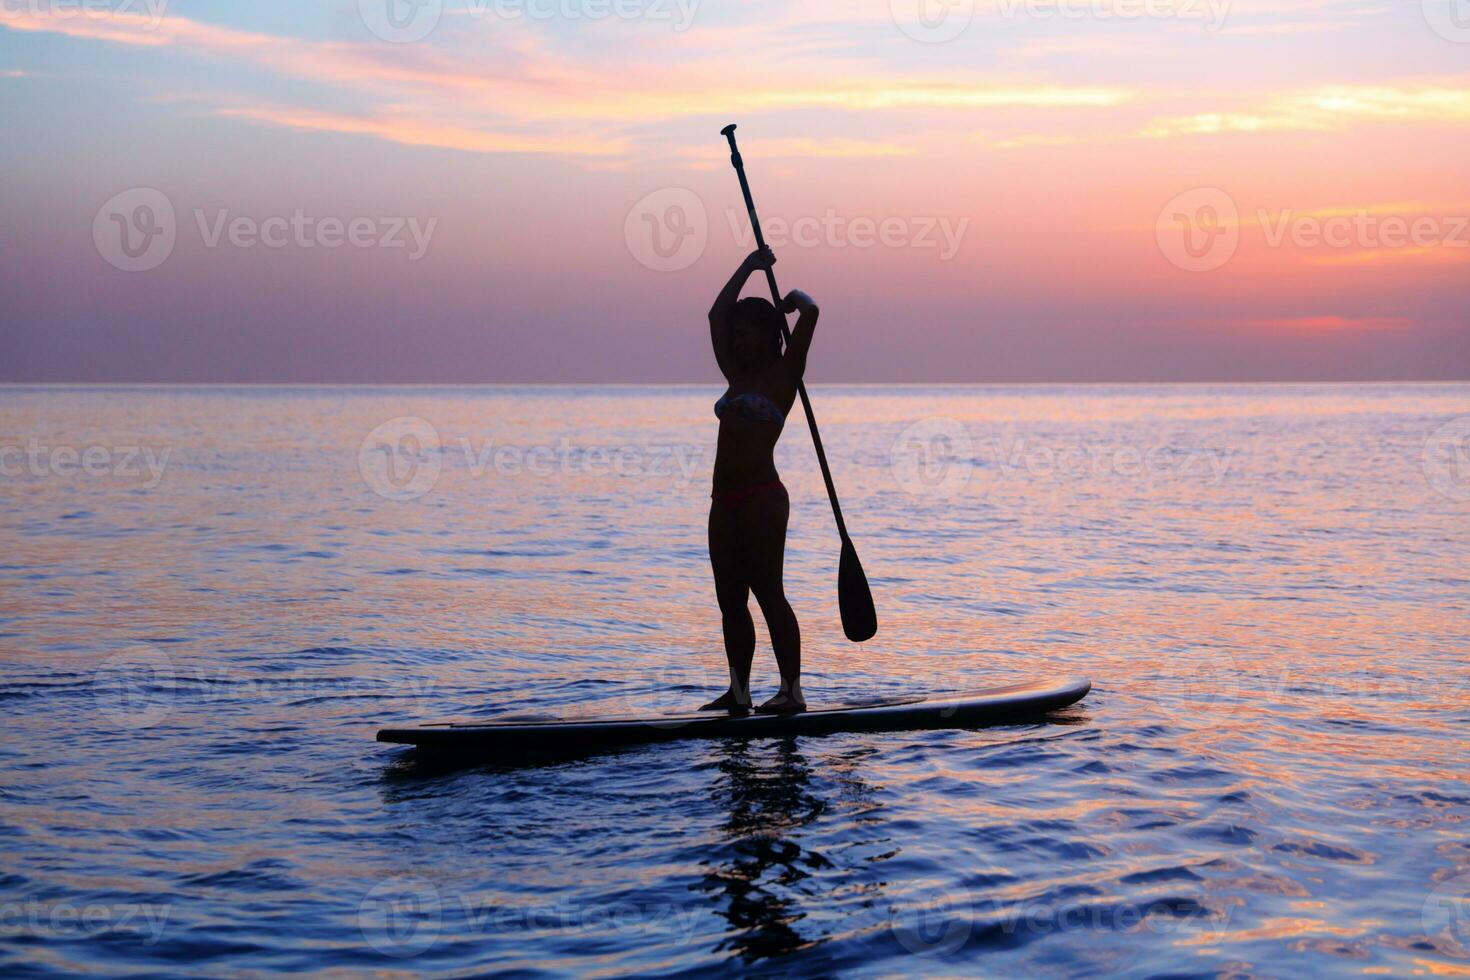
854	599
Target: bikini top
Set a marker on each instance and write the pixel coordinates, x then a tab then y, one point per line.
751	406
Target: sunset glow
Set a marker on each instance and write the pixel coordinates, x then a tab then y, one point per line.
1058	135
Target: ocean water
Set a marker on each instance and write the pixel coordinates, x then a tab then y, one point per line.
211	598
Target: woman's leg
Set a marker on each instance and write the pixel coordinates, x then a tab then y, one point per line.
727	559
767	516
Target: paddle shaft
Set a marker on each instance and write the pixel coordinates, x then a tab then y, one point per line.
806	403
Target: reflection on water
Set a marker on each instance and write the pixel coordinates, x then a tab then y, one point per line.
1266	584
769	795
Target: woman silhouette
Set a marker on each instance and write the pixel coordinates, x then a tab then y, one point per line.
749	507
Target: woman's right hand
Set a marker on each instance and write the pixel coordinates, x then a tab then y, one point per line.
761	258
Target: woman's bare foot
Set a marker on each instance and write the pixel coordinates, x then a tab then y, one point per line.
784	703
729	701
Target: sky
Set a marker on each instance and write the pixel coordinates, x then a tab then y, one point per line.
459	191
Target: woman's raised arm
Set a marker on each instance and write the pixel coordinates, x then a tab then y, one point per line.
801	335
719	313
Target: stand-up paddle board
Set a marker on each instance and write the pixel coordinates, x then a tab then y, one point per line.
965	709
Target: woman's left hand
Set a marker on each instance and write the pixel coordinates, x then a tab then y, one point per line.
797	300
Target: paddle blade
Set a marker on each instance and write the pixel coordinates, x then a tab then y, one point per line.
859	618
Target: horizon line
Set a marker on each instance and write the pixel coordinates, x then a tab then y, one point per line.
713	384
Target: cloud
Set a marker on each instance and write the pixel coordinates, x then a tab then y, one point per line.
484	98
496	91
1445	254
1327	108
1031	139
813	147
954	95
1332	323
1289	27
414	132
